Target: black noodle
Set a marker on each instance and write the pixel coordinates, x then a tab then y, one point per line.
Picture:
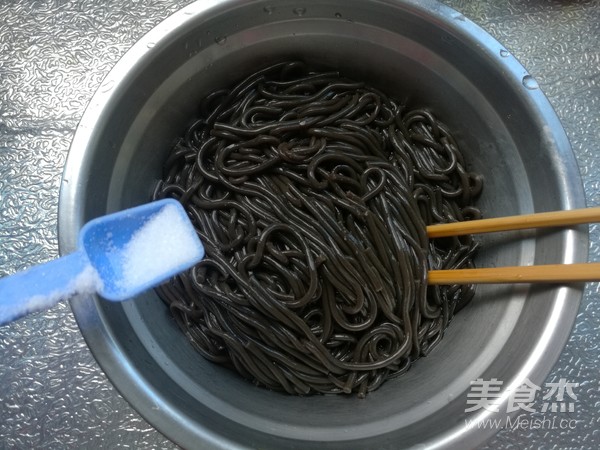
311	193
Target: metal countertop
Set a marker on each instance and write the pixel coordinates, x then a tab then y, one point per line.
53	56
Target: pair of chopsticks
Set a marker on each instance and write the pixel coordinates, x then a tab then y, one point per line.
550	273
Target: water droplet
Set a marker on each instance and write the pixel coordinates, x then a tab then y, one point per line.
338	15
269	9
504	53
459	16
107	85
300	11
221	40
530	83
150	44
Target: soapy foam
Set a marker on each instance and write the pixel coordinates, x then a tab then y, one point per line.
163	244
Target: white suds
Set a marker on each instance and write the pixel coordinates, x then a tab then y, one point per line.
163	244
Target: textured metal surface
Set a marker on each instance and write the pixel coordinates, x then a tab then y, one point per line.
559	43
53	57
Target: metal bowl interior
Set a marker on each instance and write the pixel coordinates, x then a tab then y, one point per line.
421	52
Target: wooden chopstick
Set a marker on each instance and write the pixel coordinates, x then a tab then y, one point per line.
548	273
537	220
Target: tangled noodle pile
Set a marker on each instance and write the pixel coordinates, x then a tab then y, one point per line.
311	193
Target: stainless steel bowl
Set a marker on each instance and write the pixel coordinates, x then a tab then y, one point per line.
422	52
